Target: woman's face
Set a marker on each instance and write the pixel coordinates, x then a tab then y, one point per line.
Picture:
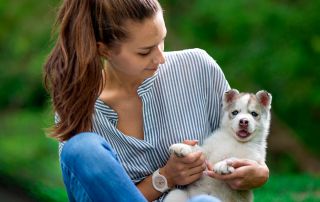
141	56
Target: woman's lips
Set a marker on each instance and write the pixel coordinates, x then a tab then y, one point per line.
154	69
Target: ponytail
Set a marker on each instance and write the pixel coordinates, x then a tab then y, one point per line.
74	70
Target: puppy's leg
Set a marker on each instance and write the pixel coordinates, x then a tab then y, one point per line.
222	168
176	195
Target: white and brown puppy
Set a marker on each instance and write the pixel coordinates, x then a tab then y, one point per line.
243	131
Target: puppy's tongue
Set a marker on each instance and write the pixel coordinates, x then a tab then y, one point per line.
243	133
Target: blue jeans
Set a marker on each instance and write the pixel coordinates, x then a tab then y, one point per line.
91	171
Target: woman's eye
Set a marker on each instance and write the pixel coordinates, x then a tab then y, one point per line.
235	112
254	114
144	54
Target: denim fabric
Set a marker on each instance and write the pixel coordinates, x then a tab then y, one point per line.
92	173
204	198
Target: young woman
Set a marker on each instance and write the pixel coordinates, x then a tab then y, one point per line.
116	119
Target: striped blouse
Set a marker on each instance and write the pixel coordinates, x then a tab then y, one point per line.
182	101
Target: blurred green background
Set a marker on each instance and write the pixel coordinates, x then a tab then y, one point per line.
266	44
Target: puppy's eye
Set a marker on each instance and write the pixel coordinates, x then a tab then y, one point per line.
254	114
235	112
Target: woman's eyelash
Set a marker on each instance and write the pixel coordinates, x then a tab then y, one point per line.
144	54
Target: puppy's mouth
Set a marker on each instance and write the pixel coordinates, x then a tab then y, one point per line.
243	134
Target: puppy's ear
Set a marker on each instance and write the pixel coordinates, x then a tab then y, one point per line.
264	98
229	96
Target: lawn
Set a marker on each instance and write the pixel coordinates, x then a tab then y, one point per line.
289	188
30	160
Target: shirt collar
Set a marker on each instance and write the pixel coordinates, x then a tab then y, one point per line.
147	85
105	110
143	90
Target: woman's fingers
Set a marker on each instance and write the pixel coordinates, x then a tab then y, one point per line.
189	168
209	165
197	170
191	158
190	142
199	162
223	177
236	163
185	170
195	176
248	174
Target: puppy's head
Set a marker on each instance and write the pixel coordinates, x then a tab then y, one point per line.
246	115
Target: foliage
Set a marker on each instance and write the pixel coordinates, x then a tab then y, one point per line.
271	45
24	36
28	158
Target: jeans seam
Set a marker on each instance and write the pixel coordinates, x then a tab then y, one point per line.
78	181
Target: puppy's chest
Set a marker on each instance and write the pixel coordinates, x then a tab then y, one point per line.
217	150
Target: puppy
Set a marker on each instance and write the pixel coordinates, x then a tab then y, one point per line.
243	131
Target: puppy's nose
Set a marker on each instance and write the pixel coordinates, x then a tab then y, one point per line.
243	122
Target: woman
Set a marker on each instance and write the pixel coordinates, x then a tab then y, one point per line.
141	102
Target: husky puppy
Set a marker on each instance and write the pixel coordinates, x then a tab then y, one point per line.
243	130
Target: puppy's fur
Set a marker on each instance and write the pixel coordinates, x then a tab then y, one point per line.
243	130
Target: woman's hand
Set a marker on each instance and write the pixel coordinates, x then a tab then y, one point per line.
184	170
248	174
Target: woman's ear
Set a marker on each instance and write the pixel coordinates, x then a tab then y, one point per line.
103	50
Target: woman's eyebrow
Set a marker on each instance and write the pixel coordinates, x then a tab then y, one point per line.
149	47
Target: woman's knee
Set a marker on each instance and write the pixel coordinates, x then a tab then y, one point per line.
86	159
85	147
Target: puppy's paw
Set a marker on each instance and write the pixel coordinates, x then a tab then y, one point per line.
180	150
222	168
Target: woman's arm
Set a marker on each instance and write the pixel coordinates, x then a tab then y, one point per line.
248	174
177	171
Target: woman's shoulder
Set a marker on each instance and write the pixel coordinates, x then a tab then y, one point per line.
190	53
191	58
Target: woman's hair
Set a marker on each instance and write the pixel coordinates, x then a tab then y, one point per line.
73	70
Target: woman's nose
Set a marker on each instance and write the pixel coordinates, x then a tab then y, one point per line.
159	58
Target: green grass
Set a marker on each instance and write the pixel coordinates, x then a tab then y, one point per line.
30	160
290	188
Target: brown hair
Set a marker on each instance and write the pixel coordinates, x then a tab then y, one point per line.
73	70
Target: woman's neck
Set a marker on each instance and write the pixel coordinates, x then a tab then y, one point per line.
116	80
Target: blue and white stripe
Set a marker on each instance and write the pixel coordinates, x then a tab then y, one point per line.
182	101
